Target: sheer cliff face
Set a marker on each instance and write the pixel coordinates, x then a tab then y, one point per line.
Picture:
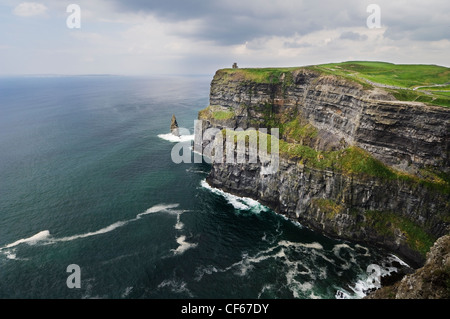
402	134
400	214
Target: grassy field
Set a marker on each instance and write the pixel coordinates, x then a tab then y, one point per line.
407	82
401	75
258	75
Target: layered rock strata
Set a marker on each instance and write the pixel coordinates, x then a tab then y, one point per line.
404	212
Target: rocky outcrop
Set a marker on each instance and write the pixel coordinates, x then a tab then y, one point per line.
329	115
174	126
432	281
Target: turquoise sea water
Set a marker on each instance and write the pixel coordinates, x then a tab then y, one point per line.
86	178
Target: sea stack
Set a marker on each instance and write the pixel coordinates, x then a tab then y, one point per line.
174	126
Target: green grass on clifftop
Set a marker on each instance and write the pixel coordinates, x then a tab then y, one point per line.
400	75
407	82
257	75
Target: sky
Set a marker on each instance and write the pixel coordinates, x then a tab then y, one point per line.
144	37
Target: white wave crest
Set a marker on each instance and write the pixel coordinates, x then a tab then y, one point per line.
10	255
151	210
366	253
168	208
98	232
266	287
362	286
33	240
246	264
314	245
176	286
206	270
300	277
44	237
179	225
239	203
176	139
296	223
183	245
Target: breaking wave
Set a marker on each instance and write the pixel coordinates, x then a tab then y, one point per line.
44	237
239	203
305	266
183	245
366	284
177	286
33	240
176	139
282	252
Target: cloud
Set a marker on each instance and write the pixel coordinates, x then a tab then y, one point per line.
416	20
29	9
234	22
292	44
197	36
350	35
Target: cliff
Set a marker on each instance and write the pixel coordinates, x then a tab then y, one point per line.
355	162
405	135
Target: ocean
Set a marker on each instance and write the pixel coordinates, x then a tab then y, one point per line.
86	179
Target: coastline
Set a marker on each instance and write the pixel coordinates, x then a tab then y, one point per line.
356	164
392	272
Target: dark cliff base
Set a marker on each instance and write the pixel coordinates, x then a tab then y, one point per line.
432	281
411	257
340	206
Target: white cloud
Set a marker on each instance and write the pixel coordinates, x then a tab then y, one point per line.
139	38
29	9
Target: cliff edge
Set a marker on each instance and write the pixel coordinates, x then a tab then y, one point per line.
356	161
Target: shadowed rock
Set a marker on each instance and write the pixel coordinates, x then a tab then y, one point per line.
174	126
432	281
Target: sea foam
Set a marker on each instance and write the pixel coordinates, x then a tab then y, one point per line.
240	203
176	139
176	286
183	245
313	245
362	286
152	210
9	249
44	237
41	236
